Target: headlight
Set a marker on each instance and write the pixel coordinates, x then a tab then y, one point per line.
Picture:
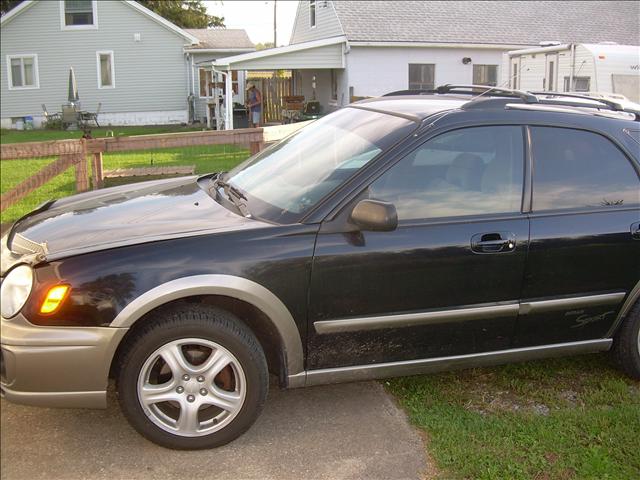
15	290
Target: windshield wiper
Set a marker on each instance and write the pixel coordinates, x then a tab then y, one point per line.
236	197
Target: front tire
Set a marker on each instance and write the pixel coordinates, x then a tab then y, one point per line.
192	377
626	344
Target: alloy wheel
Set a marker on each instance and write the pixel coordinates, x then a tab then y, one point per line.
191	387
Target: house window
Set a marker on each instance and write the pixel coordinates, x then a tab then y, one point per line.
312	13
421	76
485	75
206	78
514	75
78	14
23	71
580	84
334	85
106	70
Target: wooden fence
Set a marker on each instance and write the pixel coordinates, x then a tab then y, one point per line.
77	153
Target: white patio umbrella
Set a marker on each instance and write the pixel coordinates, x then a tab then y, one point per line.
74	97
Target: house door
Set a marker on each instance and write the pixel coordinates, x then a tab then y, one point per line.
551	73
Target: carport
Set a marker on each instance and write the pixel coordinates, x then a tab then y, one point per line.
317	67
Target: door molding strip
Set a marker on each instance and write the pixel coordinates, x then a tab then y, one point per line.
541	306
414	319
433	317
432	365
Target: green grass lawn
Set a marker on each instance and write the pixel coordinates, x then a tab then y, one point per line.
206	159
575	418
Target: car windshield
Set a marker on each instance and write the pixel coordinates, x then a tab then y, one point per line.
285	181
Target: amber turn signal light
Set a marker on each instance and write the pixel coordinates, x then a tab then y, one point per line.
53	300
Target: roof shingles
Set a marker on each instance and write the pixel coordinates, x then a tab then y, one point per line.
491	22
220	38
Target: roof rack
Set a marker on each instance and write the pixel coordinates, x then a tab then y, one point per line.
469	90
610	103
527	97
534	97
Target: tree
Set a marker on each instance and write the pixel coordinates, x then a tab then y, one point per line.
183	13
6	5
264	46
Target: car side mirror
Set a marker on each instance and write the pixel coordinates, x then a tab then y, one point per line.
375	216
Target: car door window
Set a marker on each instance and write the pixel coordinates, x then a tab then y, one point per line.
579	169
470	171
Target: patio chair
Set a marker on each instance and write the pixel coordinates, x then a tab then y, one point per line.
91	116
49	118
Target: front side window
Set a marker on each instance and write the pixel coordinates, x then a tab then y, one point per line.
105	70
79	13
284	181
579	169
23	71
485	75
471	171
421	76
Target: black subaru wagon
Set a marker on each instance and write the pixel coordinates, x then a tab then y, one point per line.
400	235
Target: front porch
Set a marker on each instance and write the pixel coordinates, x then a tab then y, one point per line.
313	70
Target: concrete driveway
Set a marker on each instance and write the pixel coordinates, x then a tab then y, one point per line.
330	432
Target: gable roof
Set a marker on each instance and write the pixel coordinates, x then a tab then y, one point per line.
221	39
24	6
492	22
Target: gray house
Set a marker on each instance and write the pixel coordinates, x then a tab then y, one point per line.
142	68
341	50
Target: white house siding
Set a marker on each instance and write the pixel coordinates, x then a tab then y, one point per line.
327	23
150	75
327	56
374	71
201	102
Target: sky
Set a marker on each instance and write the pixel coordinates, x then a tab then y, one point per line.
256	17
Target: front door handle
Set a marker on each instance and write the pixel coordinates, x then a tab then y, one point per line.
493	242
635	231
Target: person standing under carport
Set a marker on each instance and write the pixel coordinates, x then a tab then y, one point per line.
255	105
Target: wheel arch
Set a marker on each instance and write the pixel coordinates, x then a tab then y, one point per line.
235	288
629	302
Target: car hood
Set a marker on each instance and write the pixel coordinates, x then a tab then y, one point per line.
125	215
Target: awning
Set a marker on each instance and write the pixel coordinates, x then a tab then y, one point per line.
325	53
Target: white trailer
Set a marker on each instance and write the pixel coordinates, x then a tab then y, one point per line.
583	67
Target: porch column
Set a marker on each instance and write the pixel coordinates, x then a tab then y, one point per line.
228	98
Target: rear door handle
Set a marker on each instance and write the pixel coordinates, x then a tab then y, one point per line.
493	242
635	230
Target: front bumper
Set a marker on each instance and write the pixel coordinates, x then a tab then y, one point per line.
56	366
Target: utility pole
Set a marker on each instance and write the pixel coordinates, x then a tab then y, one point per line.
275	35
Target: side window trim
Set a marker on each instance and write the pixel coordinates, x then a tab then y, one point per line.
527	187
430	136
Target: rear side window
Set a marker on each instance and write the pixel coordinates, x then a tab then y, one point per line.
578	169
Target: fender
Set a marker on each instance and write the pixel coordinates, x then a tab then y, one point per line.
229	286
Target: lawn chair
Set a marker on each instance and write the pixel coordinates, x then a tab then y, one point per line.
49	118
92	117
69	116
